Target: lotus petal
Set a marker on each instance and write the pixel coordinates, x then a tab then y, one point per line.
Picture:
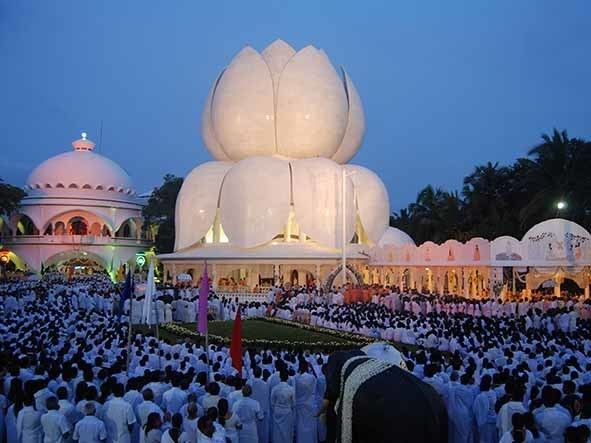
355	125
254	202
312	108
317	189
197	202
207	132
372	201
277	54
243	107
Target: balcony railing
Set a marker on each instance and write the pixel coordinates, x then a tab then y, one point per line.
90	240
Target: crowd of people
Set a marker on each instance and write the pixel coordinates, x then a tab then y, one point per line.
514	371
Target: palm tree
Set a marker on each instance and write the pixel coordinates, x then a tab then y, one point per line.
487	197
558	171
435	215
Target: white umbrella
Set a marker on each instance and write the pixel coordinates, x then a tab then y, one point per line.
149	295
385	352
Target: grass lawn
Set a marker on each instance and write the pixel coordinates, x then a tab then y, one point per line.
253	330
258	329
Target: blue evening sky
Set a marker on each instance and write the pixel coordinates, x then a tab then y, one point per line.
446	84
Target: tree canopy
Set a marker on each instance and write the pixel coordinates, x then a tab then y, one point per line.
507	200
10	197
159	212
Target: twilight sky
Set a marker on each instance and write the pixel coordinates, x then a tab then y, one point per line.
446	85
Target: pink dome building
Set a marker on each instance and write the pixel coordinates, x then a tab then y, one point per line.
81	210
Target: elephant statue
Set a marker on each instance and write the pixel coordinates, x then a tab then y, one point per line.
372	400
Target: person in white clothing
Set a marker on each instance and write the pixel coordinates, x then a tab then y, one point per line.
56	428
174	398
508	409
518	431
305	399
283	402
119	417
249	412
28	423
90	429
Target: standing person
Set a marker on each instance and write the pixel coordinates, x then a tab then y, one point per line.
305	400
145	408
90	429
152	432
28	422
55	425
66	407
248	411
229	421
174	398
552	419
260	392
508	409
283	410
119	417
484	411
460	402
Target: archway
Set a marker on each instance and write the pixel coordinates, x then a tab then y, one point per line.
128	229
59	229
78	226
405	279
76	262
95	229
335	278
25	226
550	287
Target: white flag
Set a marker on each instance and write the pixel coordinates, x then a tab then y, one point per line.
150	293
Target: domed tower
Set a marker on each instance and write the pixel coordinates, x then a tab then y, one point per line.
80	210
280	203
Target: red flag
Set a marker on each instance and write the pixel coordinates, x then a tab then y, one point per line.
236	343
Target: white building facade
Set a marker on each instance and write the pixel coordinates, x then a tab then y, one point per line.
81	210
280	203
550	253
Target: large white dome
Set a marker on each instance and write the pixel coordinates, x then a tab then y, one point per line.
80	169
283	102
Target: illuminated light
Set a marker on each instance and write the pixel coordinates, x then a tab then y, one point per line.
560	205
84	135
140	259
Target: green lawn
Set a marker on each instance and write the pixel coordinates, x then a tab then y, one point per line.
255	330
258	329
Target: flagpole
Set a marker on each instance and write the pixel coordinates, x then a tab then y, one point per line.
157	333
207	355
202	311
131	297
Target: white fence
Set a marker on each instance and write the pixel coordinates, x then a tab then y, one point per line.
244	297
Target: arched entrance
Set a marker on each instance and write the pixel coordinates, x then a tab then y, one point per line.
25	226
76	263
335	278
78	226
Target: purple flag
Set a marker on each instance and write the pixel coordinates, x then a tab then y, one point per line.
203	294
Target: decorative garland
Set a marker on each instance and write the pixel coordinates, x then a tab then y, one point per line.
356	379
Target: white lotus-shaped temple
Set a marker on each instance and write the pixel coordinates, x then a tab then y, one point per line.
281	126
283	102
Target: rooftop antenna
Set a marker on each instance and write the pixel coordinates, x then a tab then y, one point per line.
100	140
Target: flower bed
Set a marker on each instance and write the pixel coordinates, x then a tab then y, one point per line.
331	340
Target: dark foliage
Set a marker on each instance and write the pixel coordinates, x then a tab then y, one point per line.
507	200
